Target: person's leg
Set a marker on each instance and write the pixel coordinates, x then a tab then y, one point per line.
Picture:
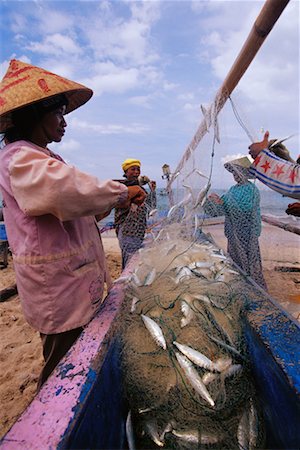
55	346
4	251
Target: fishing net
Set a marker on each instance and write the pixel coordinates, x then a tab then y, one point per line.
186	373
186	370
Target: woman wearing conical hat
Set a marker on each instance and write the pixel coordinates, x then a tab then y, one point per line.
49	209
241	207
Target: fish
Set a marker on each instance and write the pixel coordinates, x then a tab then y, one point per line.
130	432
207	116
193	378
183	272
223	363
183	202
171	249
226	346
202	195
253	425
152	212
136	279
196	225
187	312
151	429
242	431
194	437
150	277
200	265
123	279
168	428
201	174
189	188
155	331
190	298
208	377
234	369
196	357
135	300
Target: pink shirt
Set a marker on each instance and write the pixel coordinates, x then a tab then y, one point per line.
49	210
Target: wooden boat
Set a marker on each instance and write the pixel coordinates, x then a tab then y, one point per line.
82	404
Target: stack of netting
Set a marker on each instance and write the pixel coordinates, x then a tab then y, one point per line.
186	372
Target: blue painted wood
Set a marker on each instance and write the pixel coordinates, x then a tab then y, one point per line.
273	340
101	424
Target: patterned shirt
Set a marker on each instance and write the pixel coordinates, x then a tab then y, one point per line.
133	220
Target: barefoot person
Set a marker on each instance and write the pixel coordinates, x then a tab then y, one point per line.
49	209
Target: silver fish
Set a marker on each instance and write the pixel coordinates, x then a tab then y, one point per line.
130	432
201	174
155	331
135	300
136	279
232	370
208	377
193	377
226	346
196	357
253	426
183	273
150	277
187	312
202	195
152	212
168	428
192	437
223	363
171	249
183	202
243	432
151	429
189	188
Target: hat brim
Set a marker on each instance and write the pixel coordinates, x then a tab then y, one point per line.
24	85
76	98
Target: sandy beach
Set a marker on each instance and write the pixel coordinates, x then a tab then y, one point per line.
20	351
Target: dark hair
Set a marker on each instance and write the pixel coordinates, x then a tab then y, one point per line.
24	119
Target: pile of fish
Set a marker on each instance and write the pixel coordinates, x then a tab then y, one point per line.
186	372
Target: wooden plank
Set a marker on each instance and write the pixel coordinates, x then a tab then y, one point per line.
277	223
8	292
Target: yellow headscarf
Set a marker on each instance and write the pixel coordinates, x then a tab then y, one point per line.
129	163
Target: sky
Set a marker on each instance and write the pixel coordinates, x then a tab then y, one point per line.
151	65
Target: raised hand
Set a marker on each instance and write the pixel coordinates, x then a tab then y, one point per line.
257	147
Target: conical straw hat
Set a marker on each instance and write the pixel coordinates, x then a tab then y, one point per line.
240	166
24	84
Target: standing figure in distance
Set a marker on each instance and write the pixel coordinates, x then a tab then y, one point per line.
131	223
241	207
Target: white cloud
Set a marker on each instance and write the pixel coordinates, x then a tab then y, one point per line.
119	80
141	100
108	129
55	44
67	146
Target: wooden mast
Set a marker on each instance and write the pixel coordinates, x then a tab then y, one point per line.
264	23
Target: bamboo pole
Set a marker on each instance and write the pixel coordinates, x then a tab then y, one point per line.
264	23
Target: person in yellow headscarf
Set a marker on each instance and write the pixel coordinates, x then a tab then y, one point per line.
131	223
